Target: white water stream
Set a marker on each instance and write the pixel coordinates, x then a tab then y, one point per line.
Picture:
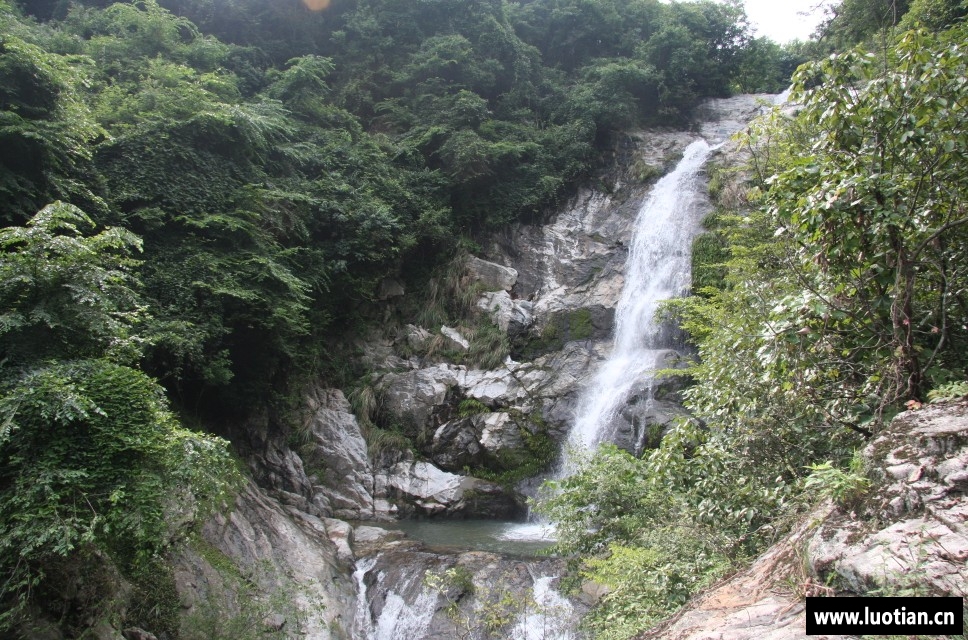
658	268
550	617
398	620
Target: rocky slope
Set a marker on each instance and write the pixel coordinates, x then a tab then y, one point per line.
907	536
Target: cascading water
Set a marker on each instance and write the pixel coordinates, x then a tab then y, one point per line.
398	619
658	268
551	617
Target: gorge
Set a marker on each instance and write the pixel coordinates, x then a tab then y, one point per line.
572	283
325	319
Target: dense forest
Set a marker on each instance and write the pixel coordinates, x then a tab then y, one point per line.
201	198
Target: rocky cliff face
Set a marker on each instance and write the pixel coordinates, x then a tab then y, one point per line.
907	536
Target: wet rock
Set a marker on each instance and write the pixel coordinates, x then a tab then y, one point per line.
722	117
443	595
368	541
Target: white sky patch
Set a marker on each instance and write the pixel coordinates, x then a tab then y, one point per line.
782	20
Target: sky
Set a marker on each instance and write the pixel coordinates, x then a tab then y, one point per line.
780	19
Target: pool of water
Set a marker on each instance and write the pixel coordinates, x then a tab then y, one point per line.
514	538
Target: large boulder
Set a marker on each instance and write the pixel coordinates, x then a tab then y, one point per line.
248	556
510	315
456	445
420	488
416	397
490	440
338	457
453	339
490	275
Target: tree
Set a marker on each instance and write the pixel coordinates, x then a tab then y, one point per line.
876	207
66	295
94	468
45	132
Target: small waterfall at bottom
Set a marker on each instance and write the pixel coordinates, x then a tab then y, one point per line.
408	593
551	618
398	619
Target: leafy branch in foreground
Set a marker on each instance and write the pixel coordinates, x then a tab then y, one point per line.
95	470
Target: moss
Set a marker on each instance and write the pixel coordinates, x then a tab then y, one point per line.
561	329
225	566
643	171
471	407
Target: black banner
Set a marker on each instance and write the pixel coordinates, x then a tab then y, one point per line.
885	616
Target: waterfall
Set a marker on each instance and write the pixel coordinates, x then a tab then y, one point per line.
658	268
398	619
550	617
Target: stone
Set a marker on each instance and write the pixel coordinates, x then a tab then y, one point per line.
917	541
454	339
494	388
417	337
340	534
276	549
134	633
491	275
511	316
593	592
499	433
455	445
424	480
339	450
425	490
274	622
524	593
415	397
721	118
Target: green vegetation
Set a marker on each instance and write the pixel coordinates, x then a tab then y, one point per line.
95	471
223	186
510	467
560	329
278	164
